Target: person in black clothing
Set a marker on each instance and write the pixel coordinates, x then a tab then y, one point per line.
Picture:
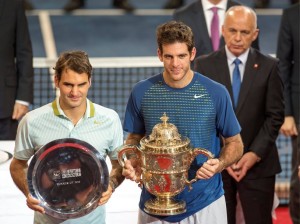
288	51
16	78
77	4
174	4
266	3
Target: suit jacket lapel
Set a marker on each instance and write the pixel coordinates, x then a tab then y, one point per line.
223	70
202	27
248	79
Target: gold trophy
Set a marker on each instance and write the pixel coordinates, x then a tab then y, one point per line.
165	158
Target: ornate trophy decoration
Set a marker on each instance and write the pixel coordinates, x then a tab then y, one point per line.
68	176
165	159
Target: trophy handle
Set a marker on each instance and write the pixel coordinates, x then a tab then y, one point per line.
195	152
126	152
198	151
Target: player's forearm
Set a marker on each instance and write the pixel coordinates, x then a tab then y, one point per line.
115	176
133	139
232	150
18	173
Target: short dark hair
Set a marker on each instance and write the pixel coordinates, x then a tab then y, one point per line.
174	31
77	61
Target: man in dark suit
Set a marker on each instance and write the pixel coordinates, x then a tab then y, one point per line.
259	107
198	15
16	78
288	54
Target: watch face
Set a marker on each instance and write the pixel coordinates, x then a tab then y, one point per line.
68	176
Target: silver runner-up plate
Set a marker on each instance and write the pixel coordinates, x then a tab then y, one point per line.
68	176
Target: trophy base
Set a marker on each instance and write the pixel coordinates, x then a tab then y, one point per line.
165	206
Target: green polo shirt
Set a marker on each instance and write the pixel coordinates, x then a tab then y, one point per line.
100	126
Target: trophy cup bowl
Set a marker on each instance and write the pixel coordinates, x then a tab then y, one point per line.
165	159
68	176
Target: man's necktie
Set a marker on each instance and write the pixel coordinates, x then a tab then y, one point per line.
214	29
236	81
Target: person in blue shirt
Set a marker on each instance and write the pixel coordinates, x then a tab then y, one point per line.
201	109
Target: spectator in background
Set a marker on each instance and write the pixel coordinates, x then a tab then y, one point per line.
199	16
288	54
77	4
16	79
174	4
255	86
28	5
266	3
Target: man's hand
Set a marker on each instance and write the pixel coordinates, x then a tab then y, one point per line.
33	204
132	170
106	196
209	168
239	170
288	127
19	111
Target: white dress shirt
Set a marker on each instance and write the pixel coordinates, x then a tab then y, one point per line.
230	58
209	14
